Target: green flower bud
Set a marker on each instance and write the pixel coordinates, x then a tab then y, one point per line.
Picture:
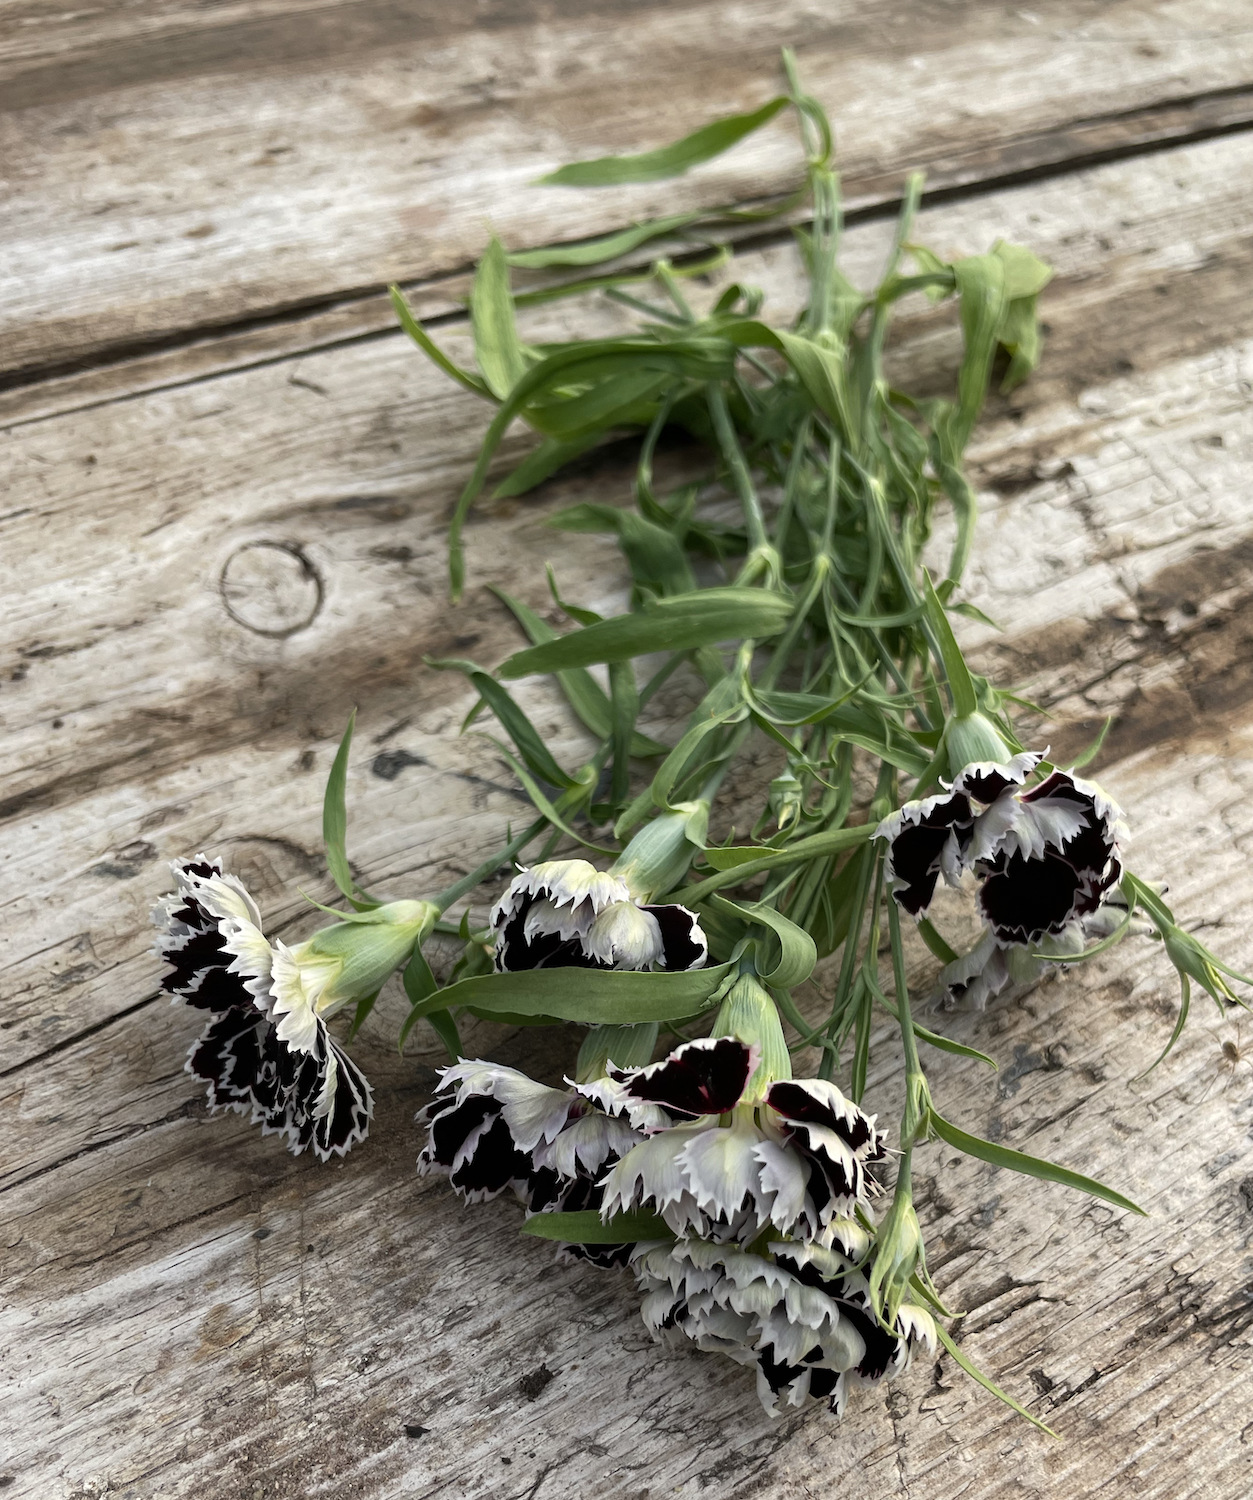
749	1014
785	798
971	740
1195	961
898	1251
342	964
658	856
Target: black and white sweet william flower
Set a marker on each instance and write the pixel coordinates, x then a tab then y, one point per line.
491	1129
933	837
799	1313
565	913
733	1161
1056	861
1045	856
265	1051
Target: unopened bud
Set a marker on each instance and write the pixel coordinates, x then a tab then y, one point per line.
898	1251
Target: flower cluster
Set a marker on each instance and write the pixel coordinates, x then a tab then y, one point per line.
1047	859
760	1187
265	1050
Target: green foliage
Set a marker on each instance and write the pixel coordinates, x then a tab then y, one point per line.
785	576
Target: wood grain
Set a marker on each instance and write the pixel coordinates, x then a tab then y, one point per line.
173	166
211	552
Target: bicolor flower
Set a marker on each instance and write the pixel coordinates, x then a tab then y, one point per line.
799	1313
564	913
310	1093
492	1130
932	837
1055	861
1045	856
733	1163
993	965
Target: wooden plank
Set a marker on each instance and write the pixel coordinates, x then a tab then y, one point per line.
183	1338
176	167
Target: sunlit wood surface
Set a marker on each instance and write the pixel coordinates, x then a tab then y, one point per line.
226	478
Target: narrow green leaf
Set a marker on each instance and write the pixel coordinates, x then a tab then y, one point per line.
821	371
731	856
669	161
364	1006
973	612
430	348
934	1038
977	1375
1094	749
593	997
583	693
1030	1166
1185	1006
335	815
796	953
420	985
935	942
696	358
624	700
552	811
496	345
657	560
681	623
960	686
445	1028
586	1228
608	247
551	455
684	757
521	731
946	1044
818	844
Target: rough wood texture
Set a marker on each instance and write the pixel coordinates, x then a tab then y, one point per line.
213	550
176	166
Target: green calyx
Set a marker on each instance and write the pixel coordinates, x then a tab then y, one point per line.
657	858
972	738
898	1250
749	1014
624	1046
364	951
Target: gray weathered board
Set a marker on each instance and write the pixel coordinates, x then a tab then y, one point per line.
226	480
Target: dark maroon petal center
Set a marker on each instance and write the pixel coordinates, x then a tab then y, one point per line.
917	848
699	1078
793	1101
680	948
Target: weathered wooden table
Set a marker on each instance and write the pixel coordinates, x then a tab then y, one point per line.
226	480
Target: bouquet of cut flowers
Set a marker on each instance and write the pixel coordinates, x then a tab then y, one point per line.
763	1216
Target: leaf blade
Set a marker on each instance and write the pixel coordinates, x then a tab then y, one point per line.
667	161
683	622
592	997
1029	1166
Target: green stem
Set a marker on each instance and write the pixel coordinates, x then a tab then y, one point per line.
742	480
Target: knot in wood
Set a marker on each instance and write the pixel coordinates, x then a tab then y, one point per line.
271	588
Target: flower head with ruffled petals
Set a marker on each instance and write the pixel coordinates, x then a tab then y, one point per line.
728	1166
